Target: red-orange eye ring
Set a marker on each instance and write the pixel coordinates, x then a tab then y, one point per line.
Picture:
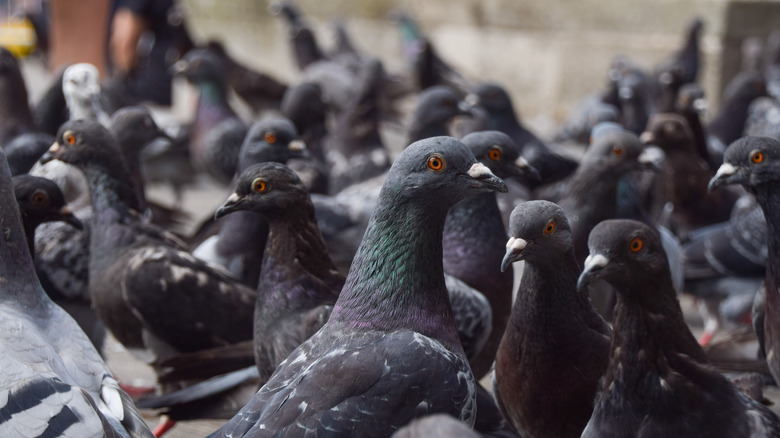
270	137
69	137
40	197
617	150
549	228
757	157
495	154
636	244
436	163
259	185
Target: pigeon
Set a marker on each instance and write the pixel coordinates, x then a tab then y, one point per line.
474	237
686	176
500	116
40	200
691	104
25	150
298	282
390	351
728	124
659	381
238	245
217	132
436	107
681	68
436	426
15	115
157	299
81	88
753	163
556	346
54	382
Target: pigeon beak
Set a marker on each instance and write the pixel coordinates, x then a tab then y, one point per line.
232	204
700	105
52	154
179	67
471	100
298	148
523	169
67	216
594	264
647	137
465	108
514	252
652	158
482	179
727	174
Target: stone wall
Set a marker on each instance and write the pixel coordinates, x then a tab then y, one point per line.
549	54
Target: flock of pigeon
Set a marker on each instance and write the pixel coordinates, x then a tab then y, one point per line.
344	291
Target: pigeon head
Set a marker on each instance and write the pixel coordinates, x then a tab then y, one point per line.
619	151
83	143
691	98
266	188
750	161
274	140
438	104
538	232
41	200
25	150
745	87
8	62
498	152
624	252
80	85
201	66
670	132
135	123
303	105
492	98
440	170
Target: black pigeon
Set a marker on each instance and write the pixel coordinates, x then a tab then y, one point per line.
25	150
238	246
51	111
436	426
259	90
53	381
436	107
217	132
356	152
40	200
680	68
151	294
15	115
500	116
303	105
474	237
304	44
754	162
686	176
390	351
691	105
556	347
728	124
659	381
298	282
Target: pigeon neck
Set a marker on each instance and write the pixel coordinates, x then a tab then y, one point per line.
133	161
296	250
473	245
111	189
396	281
30	223
768	196
17	274
547	298
212	92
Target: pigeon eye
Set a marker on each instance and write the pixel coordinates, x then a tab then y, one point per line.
69	137
259	185
39	197
635	245
436	163
757	157
449	103
495	154
270	137
549	228
617	150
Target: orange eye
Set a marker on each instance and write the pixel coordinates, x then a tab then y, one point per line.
259	185
495	154
39	197
549	228
270	137
617	150
757	157
436	163
69	137
636	245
